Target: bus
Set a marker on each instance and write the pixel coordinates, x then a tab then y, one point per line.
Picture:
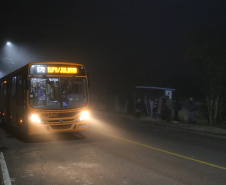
45	97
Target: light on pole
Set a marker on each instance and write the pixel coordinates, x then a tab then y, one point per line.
8	43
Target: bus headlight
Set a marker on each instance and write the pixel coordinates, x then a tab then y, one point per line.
36	119
84	115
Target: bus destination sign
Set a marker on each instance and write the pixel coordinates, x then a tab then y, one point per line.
56	69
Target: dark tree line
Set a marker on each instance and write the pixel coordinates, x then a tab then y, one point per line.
208	53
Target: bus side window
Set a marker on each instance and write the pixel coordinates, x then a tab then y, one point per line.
13	85
19	85
4	90
1	91
1	95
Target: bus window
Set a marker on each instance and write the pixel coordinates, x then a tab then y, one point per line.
74	92
58	93
13	90
1	93
19	86
44	93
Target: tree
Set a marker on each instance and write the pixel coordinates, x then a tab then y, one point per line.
209	64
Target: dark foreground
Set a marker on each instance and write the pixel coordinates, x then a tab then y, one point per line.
116	151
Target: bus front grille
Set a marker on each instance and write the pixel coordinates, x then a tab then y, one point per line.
56	127
60	121
67	114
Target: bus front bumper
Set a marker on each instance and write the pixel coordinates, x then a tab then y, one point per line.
34	128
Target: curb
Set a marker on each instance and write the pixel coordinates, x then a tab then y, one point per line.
207	130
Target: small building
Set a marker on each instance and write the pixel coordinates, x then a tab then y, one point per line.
148	95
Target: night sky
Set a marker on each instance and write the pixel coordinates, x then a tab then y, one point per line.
121	43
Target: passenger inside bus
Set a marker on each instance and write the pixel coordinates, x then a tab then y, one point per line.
58	93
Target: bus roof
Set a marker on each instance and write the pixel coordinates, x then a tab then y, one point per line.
27	66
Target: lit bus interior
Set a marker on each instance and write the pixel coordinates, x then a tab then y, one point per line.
58	93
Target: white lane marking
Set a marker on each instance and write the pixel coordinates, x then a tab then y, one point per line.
5	172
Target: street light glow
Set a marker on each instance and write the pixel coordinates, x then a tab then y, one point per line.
9	44
14	56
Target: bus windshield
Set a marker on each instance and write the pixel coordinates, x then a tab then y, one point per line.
58	93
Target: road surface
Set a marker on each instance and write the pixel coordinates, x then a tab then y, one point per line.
115	151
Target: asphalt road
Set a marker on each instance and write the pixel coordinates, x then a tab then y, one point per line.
116	151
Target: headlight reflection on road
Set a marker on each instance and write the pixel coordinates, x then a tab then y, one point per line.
102	124
96	122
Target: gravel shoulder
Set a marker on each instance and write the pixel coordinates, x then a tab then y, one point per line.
198	127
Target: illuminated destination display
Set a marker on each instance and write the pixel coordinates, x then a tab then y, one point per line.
71	70
56	69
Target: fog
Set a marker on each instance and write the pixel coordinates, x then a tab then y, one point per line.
15	56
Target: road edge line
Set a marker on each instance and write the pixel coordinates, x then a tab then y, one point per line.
167	152
5	172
